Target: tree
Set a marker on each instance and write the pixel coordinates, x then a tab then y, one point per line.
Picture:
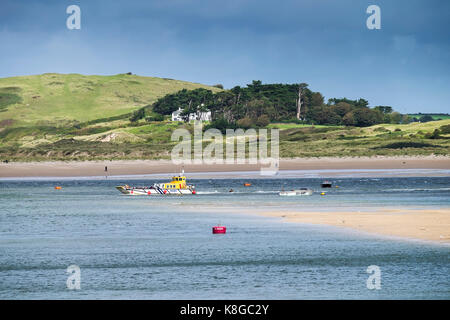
262	121
365	117
220	124
324	115
316	99
426	118
406	119
349	119
138	114
395	117
299	103
255	86
257	107
245	123
362	103
384	109
181	99
276	101
342	108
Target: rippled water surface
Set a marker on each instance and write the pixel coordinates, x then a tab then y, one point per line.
162	247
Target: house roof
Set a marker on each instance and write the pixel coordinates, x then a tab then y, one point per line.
177	111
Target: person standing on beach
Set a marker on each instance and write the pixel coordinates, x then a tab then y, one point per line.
106	172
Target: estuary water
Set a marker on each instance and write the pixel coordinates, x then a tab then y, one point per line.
141	247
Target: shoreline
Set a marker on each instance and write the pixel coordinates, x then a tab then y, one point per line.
424	224
320	167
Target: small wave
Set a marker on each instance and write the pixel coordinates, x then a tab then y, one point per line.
209	192
417	189
267	191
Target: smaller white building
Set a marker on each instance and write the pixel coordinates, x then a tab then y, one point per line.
176	115
202	116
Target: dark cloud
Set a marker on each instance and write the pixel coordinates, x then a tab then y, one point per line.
324	43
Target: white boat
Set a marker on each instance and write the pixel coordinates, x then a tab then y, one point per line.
298	192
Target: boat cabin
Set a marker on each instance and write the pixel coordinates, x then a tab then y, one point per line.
178	182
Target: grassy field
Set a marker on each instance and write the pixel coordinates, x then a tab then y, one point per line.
76	117
384	139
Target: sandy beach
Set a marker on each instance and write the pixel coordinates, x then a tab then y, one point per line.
143	167
432	225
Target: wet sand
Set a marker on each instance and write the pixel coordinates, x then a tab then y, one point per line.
429	224
143	167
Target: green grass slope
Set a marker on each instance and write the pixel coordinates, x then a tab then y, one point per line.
58	99
118	139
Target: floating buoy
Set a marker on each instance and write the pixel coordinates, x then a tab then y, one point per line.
231	190
322	193
149	193
247	184
58	187
337	187
219	229
165	191
194	192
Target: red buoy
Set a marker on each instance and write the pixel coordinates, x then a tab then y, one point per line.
193	192
149	193
219	229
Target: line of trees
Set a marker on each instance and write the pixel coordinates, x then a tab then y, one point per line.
258	104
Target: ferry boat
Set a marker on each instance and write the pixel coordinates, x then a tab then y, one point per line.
177	186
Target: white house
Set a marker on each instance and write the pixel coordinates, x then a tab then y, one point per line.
176	115
202	116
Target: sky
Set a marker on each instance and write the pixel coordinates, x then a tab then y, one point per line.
324	43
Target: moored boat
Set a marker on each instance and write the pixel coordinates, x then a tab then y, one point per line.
298	192
326	184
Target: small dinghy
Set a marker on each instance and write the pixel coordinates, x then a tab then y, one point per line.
299	192
326	184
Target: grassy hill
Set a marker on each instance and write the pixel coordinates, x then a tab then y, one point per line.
59	99
76	117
